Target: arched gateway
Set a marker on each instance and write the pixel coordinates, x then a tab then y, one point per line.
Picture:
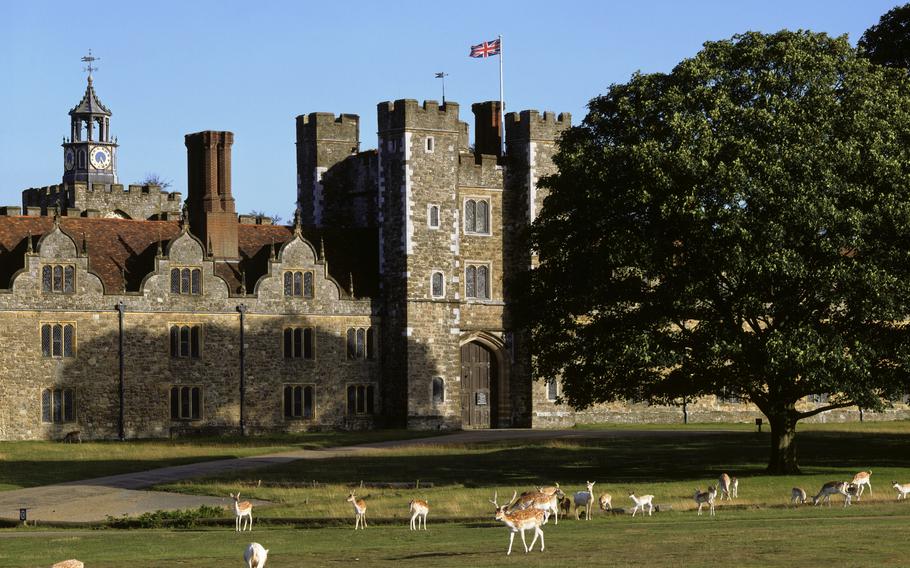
480	386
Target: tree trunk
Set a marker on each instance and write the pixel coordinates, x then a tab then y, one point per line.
783	441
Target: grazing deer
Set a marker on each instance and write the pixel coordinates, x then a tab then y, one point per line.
902	489
832	488
861	480
520	520
418	509
73	437
640	503
606	502
702	497
242	509
727	488
550	489
255	555
546	502
360	511
798	495
585	499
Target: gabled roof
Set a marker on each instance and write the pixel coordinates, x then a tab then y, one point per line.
90	103
125	248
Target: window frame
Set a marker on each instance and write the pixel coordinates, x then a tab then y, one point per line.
429	145
475	265
302	416
193	340
57	348
67	282
192	285
470	223
289	339
49	405
299	283
430	208
360	343
442	391
364	397
200	399
442	284
552	386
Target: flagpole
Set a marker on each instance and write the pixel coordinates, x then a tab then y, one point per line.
502	104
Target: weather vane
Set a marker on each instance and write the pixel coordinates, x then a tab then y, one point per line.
90	59
442	75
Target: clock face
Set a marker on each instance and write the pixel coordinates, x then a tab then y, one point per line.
100	157
69	159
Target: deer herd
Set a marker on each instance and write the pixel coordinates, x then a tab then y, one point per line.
533	509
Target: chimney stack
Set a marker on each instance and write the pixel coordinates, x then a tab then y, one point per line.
487	129
209	201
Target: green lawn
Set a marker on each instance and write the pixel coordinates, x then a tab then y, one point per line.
28	464
797	537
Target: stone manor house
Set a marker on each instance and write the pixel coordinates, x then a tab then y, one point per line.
127	311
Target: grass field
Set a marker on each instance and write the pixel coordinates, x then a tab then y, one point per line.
760	530
29	464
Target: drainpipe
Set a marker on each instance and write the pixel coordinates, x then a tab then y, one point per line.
242	309
121	309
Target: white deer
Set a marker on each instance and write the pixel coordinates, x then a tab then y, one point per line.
255	555
360	511
729	487
861	480
640	503
902	489
585	499
419	510
832	488
520	520
702	497
242	509
798	495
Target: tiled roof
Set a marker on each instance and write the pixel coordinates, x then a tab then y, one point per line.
130	246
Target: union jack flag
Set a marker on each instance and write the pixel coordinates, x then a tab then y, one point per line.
486	49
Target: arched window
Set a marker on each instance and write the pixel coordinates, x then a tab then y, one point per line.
299	402
57	405
483	281
299	283
58	278
361	343
477	282
288	284
361	399
308	284
186	403
552	389
439	390
483	217
58	340
433	217
437	285
470	282
470	216
186	281
185	341
477	216
299	343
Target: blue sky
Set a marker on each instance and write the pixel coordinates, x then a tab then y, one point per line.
171	68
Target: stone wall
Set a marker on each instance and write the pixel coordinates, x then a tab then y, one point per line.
104	200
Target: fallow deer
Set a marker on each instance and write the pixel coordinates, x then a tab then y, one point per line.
861	480
242	509
255	555
832	488
585	499
726	485
520	520
702	497
640	503
360	511
418	509
798	495
606	502
546	502
902	489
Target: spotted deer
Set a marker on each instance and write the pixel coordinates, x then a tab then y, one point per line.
419	510
703	497
902	489
242	509
729	487
520	520
360	511
833	488
546	502
798	495
862	480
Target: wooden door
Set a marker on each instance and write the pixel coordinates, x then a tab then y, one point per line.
476	392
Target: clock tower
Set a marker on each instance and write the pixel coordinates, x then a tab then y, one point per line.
90	155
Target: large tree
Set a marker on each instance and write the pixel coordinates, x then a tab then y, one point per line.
888	41
739	225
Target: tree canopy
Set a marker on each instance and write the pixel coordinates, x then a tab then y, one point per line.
739	225
888	41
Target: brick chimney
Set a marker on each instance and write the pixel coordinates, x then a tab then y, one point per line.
209	201
487	129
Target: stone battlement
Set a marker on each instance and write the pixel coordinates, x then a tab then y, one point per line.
484	171
530	124
408	113
136	201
